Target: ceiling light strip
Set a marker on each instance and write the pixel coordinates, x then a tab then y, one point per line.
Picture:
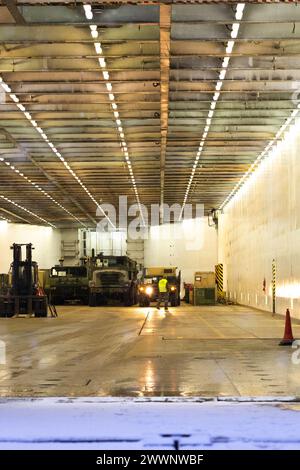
38	188
263	155
105	73
229	48
4	219
27	211
54	150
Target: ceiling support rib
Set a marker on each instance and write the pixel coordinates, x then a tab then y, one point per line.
165	28
13	214
63	191
14	11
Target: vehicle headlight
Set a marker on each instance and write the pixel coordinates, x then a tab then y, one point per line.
173	288
149	290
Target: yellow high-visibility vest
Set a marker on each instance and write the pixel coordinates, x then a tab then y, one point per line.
162	285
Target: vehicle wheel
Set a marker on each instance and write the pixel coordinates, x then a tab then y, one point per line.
128	298
173	301
144	302
92	300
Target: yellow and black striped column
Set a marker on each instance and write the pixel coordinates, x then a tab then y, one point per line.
219	280
273	286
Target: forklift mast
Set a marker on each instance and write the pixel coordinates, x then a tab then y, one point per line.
24	297
24	272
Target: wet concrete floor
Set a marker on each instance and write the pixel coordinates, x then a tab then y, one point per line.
140	352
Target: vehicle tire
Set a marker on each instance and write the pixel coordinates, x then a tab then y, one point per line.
144	302
128	298
92	300
173	301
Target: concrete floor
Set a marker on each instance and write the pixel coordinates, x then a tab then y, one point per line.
112	351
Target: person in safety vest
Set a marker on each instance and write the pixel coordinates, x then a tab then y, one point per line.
163	292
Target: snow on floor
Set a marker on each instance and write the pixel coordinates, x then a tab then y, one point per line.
83	423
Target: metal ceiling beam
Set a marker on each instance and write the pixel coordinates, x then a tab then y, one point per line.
13	214
165	30
14	11
63	191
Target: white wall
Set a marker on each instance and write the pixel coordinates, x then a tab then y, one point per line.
135	250
191	246
70	246
109	243
46	242
261	223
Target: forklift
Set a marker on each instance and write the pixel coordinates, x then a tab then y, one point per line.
24	296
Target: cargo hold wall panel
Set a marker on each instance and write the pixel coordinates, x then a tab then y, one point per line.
46	242
260	227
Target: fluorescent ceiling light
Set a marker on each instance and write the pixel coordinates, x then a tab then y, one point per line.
94	34
239	11
229	47
105	75
98	47
102	62
235	30
222	74
6	87
88	12
225	62
14	98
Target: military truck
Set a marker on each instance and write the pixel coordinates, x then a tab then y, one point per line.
148	286
67	284
114	280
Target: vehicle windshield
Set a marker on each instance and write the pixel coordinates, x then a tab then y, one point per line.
151	280
172	279
68	271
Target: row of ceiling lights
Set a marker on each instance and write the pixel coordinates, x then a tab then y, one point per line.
102	63
28	116
229	48
4	219
264	154
22	108
37	187
27	211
